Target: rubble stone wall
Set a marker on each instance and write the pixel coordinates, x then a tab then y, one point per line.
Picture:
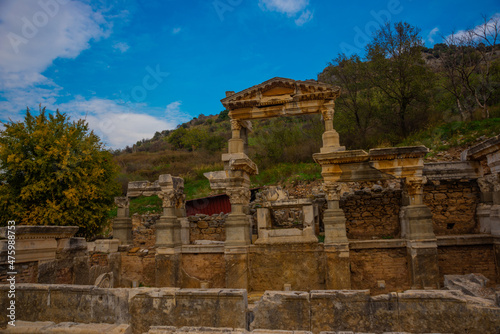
204	227
466	259
381	270
453	206
144	230
372	213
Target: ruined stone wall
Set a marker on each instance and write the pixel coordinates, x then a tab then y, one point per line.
372	211
26	272
140	307
204	227
453	206
209	268
139	267
355	311
272	266
381	270
466	259
144	230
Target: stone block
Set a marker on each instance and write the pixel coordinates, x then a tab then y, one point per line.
175	307
282	310
340	310
107	245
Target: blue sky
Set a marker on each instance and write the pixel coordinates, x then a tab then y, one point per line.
135	67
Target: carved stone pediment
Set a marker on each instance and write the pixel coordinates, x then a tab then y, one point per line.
280	96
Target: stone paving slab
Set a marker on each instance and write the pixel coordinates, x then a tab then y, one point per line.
47	327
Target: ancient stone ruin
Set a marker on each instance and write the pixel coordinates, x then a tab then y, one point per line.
401	241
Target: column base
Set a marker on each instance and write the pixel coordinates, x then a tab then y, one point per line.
416	222
122	230
334	221
168	232
237	230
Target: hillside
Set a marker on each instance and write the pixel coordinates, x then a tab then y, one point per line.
364	118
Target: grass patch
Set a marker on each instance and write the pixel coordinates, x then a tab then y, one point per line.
455	134
287	172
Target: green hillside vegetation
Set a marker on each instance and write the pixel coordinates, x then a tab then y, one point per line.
400	94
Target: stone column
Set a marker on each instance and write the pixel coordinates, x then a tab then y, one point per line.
421	244
122	224
236	143
168	232
331	140
338	275
238	238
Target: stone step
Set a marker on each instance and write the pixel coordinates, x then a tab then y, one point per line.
47	327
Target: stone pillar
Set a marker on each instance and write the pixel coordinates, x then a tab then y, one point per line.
122	224
421	244
338	274
236	143
331	140
238	237
168	232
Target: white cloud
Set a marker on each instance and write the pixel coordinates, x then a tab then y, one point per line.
175	31
121	46
479	28
32	36
304	18
431	35
289	7
119	125
173	108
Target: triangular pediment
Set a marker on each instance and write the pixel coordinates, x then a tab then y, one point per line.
279	89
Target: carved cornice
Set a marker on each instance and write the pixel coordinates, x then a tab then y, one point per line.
392	153
300	91
341	157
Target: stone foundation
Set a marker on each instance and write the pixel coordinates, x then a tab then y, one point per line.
225	310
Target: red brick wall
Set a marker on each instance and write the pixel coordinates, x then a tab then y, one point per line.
461	260
371	265
453	206
26	273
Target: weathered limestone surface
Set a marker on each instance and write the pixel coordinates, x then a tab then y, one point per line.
47	327
428	311
282	310
272	266
201	268
175	307
68	303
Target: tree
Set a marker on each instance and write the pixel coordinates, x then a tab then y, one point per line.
55	172
356	108
398	70
471	68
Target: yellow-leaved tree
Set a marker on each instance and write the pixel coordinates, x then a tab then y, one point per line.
54	171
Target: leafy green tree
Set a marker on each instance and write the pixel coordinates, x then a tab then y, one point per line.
55	172
398	70
357	108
